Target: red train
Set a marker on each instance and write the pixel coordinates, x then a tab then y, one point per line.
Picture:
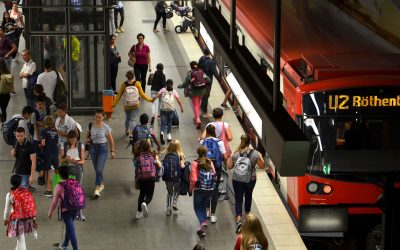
341	84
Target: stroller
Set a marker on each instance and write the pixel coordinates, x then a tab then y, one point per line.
187	20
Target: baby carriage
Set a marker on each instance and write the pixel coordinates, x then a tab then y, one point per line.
187	20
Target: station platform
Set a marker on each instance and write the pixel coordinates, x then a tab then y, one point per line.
111	222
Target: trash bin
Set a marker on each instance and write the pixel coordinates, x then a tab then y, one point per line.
108	98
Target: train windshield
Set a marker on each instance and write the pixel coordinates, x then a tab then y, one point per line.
353	119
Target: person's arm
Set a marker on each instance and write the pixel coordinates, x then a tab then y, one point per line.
56	198
149	60
119	95
214	71
228	132
229	163
62	153
153	135
43	142
33	168
7	208
180	103
186	81
111	141
13	49
204	134
82	156
260	161
193	176
141	92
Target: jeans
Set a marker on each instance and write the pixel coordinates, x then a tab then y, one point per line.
111	21
201	199
114	73
68	218
140	74
4	100
121	12
204	99
155	106
214	196
146	192
29	101
99	155
166	121
158	17
240	189
196	101
24	180
130	117
8	62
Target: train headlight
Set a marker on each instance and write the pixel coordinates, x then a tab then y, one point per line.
312	187
327	189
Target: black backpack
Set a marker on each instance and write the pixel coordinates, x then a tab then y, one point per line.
60	90
172	167
32	80
9	130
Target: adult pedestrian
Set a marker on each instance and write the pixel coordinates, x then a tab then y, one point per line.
222	130
75	59
160	13
68	215
19	20
115	59
146	163
27	70
64	123
157	84
251	235
195	85
10	26
25	158
140	55
173	162
132	91
202	182
6	88
207	63
7	48
18	221
168	96
98	136
243	187
119	9
48	79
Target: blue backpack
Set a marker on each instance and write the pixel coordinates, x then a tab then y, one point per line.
141	132
9	130
206	180
32	80
172	168
213	151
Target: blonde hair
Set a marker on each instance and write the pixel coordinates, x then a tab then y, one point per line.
175	147
49	121
203	161
252	232
244	142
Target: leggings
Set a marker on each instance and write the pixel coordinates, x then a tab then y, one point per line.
121	12
21	245
146	192
158	17
196	101
4	100
173	193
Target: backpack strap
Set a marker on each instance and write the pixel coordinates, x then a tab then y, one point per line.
66	146
90	128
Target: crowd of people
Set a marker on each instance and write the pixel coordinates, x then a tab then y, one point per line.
49	143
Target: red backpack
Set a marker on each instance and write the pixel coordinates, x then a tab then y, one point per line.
24	205
145	167
198	76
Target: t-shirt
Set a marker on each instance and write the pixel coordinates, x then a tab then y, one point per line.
23	161
28	125
68	125
218	128
140	53
174	92
50	136
48	80
99	135
253	161
29	68
158	81
73	153
5	46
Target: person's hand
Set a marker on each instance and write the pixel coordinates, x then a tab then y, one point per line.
6	56
13	152
49	216
31	179
5	223
181	110
149	68
113	155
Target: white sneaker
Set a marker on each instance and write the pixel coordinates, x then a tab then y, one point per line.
144	210
213	219
101	188
169	137
139	215
96	193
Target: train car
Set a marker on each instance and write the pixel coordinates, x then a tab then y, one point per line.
341	84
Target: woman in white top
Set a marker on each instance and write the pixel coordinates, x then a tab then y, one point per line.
19	20
98	135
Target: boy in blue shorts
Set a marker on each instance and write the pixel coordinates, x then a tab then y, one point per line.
49	142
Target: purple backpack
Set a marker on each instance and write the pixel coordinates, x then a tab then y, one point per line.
74	197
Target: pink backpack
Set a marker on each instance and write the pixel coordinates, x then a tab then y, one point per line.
74	196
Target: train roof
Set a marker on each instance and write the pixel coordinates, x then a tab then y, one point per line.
311	27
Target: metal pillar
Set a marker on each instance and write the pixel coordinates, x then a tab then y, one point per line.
277	56
232	33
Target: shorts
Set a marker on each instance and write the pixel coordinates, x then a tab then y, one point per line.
51	160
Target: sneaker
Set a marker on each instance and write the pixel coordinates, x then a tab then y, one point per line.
14	60
175	207
162	138
169	137
139	215
165	30
48	194
13	93
202	231
96	192
213	218
61	246
152	121
144	209
224	106
41	181
156	30
207	115
101	187
238	227
121	29
81	217
118	30
169	212
32	189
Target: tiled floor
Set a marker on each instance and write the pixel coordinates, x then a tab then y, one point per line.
110	220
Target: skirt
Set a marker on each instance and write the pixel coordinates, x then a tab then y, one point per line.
19	227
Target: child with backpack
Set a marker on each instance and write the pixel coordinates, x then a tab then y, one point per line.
243	162
20	213
146	163
173	162
167	96
132	91
49	142
144	132
156	85
217	154
70	197
202	183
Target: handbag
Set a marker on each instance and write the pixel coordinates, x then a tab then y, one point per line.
131	62
150	79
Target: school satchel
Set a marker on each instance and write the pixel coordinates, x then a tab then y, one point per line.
24	206
131	95
60	90
242	169
6	84
74	196
172	167
145	167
